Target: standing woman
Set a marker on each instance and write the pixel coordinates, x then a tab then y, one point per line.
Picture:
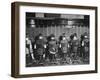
63	46
29	51
39	48
52	47
75	46
85	45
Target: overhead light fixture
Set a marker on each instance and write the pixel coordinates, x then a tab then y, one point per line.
32	23
68	26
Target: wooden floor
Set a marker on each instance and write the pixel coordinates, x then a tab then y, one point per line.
59	61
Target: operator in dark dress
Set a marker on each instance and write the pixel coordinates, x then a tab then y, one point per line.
39	48
63	46
52	47
74	46
85	45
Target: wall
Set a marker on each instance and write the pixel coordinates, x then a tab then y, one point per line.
57	31
5	40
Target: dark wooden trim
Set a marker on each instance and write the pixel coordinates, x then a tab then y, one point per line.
55	5
15	38
54	74
96	39
12	40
